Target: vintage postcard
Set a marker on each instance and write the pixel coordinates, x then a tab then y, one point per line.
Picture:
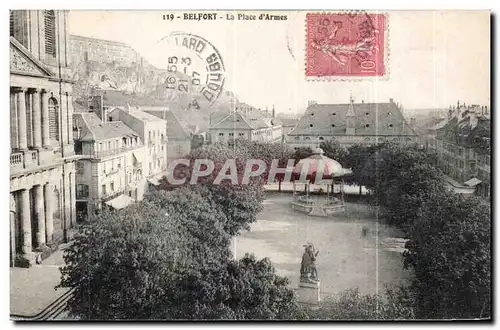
250	165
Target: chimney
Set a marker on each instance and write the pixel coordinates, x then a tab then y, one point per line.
486	109
458	104
362	101
97	105
309	103
413	121
391	100
274	112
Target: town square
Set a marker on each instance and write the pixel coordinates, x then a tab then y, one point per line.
254	165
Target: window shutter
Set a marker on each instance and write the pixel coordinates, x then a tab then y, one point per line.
50	33
53	121
11	23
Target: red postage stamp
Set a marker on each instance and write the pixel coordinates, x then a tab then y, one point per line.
350	44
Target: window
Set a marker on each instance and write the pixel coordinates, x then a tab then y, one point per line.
320	138
103	188
112	186
310	125
82	191
80	167
367	113
334	114
149	136
104	167
241	134
312	114
231	134
390	125
50	32
221	134
367	125
53	119
333	125
11	23
109	145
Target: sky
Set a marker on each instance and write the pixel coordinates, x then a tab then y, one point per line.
435	57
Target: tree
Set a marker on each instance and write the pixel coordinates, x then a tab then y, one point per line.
239	202
410	189
357	157
302	153
334	150
449	251
163	259
247	289
382	171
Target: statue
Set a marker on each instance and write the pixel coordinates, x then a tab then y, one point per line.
308	271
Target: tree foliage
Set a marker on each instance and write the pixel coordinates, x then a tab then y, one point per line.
168	258
240	203
449	251
247	289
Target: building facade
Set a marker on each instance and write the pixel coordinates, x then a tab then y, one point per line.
249	124
153	132
42	158
349	124
110	171
462	142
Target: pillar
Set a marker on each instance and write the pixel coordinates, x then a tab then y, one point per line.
45	119
26	221
49	220
37	120
21	108
13	231
40	216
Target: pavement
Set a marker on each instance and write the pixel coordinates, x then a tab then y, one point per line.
32	289
355	250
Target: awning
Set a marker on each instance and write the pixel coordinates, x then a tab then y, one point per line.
155	180
472	182
139	157
120	202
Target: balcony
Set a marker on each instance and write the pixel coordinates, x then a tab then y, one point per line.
23	160
112	152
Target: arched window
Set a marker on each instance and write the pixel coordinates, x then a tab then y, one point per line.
53	119
321	138
50	32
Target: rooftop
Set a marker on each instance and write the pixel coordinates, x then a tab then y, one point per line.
99	131
369	118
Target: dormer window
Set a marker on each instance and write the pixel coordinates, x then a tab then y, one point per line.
367	113
310	125
390	125
320	138
333	125
334	114
367	125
